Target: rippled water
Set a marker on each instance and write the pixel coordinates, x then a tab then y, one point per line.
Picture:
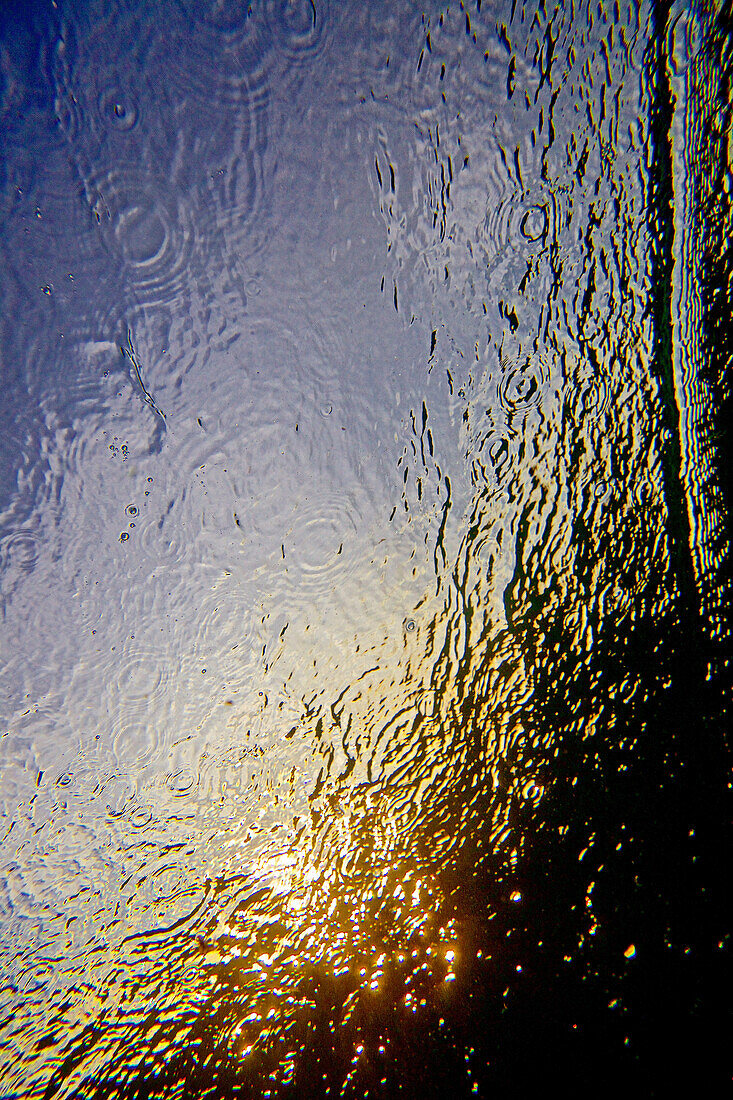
363	533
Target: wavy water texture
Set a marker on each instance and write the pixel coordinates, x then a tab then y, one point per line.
363	559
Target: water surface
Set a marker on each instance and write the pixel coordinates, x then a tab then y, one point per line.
363	529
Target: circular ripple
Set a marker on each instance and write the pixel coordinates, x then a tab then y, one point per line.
142	685
136	744
644	494
139	816
594	490
522	383
300	27
139	682
117	109
180	783
219	74
428	704
148	227
221	53
532	792
533	225
18	556
96	96
512	222
320	551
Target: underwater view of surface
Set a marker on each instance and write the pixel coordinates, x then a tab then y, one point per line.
365	643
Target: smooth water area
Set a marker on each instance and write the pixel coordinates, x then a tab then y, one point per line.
365	574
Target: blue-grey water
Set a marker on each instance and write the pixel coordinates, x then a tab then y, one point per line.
365	646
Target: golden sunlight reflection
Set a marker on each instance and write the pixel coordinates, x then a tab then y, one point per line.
341	808
345	894
357	443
